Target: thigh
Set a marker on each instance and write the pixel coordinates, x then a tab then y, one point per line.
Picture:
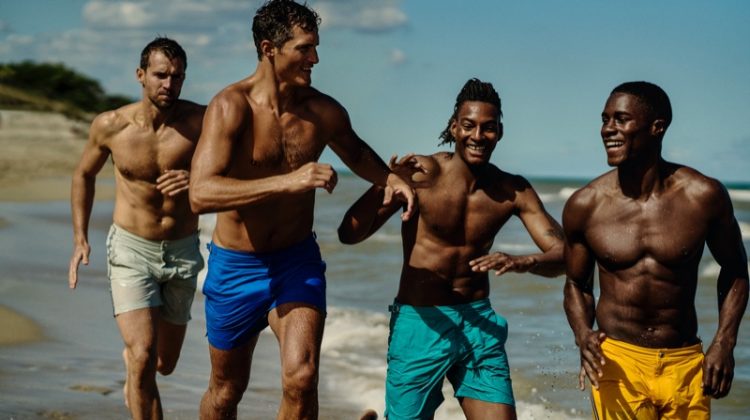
299	329
138	327
170	339
419	356
132	284
483	410
483	372
231	368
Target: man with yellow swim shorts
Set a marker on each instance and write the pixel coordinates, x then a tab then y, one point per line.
645	225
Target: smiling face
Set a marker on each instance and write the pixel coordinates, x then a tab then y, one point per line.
295	59
477	130
629	130
162	79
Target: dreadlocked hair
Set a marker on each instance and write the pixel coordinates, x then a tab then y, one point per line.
473	90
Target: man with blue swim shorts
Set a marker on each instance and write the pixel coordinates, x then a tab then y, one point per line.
256	166
442	323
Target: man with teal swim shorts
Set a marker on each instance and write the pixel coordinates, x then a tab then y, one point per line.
442	323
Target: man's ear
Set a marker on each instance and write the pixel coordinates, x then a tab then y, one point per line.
499	131
658	127
140	74
267	48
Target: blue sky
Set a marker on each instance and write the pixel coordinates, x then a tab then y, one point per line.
398	65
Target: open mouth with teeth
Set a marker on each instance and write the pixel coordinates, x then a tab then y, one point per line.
613	144
476	147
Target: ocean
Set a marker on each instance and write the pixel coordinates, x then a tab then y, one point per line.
76	370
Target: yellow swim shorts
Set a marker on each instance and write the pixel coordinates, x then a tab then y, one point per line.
645	383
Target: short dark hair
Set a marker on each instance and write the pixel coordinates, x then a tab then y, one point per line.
653	97
166	46
473	90
275	19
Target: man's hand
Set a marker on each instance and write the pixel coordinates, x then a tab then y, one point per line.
80	255
173	182
592	358
396	187
718	370
502	263
312	175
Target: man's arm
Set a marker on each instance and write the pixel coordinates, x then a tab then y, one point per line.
369	213
362	160
579	302
725	243
211	189
543	229
82	191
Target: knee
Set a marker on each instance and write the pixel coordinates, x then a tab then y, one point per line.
166	366
300	380
226	393
141	357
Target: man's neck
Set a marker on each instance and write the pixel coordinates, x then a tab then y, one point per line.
152	116
640	180
270	91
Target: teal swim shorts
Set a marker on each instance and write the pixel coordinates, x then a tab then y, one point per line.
465	343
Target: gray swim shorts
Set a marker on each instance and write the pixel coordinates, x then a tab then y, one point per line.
145	273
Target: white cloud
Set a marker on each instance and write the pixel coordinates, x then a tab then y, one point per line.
362	15
397	57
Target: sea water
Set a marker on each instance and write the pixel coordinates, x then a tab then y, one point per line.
77	370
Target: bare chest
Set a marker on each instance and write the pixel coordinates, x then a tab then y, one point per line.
144	156
456	215
281	144
665	232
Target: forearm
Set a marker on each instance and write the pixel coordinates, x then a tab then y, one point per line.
579	309
364	217
367	165
549	263
81	202
219	193
733	297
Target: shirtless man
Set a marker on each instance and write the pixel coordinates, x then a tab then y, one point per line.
442	323
645	224
256	165
152	246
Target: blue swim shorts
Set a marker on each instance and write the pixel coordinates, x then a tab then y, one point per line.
242	287
465	343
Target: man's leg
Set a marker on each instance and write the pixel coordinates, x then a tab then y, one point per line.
299	329
169	344
483	410
138	330
230	374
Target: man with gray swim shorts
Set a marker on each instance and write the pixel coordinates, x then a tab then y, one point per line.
152	246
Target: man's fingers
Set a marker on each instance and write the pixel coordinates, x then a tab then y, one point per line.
582	379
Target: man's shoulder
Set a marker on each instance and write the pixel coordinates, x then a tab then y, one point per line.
694	184
111	122
191	109
597	190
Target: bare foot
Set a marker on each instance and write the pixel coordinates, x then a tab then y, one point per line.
125	386
369	414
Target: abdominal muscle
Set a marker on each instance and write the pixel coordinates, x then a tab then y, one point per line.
144	211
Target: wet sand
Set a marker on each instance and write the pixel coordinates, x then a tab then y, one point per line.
17	329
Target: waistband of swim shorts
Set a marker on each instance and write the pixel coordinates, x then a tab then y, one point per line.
648	351
151	244
291	249
440	310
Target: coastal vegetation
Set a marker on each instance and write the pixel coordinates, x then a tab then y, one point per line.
54	87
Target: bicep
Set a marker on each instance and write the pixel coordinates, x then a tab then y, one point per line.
222	124
579	259
95	153
724	238
544	230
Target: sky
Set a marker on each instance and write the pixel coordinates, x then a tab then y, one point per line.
397	66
